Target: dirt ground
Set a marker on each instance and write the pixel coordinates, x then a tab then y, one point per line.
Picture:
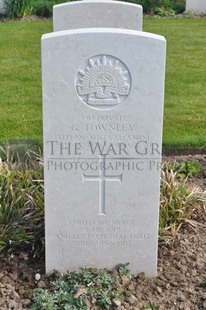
180	284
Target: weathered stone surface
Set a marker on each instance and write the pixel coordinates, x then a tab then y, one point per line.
103	107
196	6
97	13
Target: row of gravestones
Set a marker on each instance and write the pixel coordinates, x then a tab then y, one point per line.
103	89
191	5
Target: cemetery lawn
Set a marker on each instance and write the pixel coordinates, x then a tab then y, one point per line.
185	92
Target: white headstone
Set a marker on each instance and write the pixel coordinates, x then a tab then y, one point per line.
97	13
198	6
103	109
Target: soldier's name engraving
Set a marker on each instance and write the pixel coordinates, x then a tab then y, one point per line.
103	127
109	127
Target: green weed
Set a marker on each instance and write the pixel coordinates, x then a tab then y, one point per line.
164	12
44	7
149	6
79	290
203	283
21	8
187	169
123	270
152	306
18	8
178	204
21	207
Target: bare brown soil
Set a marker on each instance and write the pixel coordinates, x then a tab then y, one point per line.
180	284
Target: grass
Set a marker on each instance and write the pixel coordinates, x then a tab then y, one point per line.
185	91
185	109
179	205
20	76
21	204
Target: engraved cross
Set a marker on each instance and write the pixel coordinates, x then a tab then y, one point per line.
102	178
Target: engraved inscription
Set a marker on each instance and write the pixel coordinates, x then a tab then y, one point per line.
102	178
103	233
103	82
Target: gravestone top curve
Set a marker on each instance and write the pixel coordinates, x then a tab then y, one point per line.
97	13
